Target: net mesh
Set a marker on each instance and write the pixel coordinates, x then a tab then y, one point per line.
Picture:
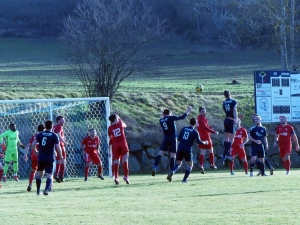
80	115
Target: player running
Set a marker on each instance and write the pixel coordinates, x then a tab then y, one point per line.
204	131
186	137
168	126
60	163
284	133
48	143
33	155
237	147
119	147
90	146
11	153
230	109
259	143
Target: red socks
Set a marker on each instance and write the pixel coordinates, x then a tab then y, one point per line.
86	172
31	177
211	158
99	170
246	166
201	160
116	170
1	173
62	170
231	164
57	169
125	168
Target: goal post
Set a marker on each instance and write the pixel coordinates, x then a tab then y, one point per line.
80	114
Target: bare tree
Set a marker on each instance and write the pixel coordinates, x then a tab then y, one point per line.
104	39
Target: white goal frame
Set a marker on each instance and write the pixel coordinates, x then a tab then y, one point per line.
75	128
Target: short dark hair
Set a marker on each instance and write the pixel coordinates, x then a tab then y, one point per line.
58	118
226	93
91	129
40	128
193	121
166	111
201	107
112	117
48	124
12	124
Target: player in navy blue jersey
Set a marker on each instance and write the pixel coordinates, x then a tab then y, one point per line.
168	125
267	163
230	109
186	137
259	143
48	144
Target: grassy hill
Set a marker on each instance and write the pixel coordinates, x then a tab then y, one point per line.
35	68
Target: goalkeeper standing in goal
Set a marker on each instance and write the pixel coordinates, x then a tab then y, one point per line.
60	163
11	153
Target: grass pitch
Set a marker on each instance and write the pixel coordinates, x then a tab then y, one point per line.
213	198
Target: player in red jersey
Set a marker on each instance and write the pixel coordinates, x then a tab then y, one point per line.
204	131
90	147
284	133
33	155
60	163
119	146
237	147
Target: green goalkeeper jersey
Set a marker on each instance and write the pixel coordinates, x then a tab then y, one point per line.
12	140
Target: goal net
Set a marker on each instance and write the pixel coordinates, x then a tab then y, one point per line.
80	114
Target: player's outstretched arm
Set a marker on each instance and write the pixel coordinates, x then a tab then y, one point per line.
296	142
26	152
188	110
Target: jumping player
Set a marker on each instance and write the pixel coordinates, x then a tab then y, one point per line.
284	133
34	156
119	147
48	144
205	130
259	143
60	163
11	153
230	109
237	147
168	126
186	137
90	146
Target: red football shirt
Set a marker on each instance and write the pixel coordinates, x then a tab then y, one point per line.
33	156
91	144
239	137
116	134
284	134
59	130
204	129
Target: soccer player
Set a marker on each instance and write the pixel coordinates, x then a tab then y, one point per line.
34	156
230	109
60	163
237	147
11	153
205	130
267	163
186	137
259	143
119	147
90	146
48	143
168	126
284	133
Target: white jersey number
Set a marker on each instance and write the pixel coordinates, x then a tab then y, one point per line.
44	141
227	107
117	132
165	126
186	135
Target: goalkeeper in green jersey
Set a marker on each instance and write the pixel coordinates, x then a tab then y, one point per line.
11	153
